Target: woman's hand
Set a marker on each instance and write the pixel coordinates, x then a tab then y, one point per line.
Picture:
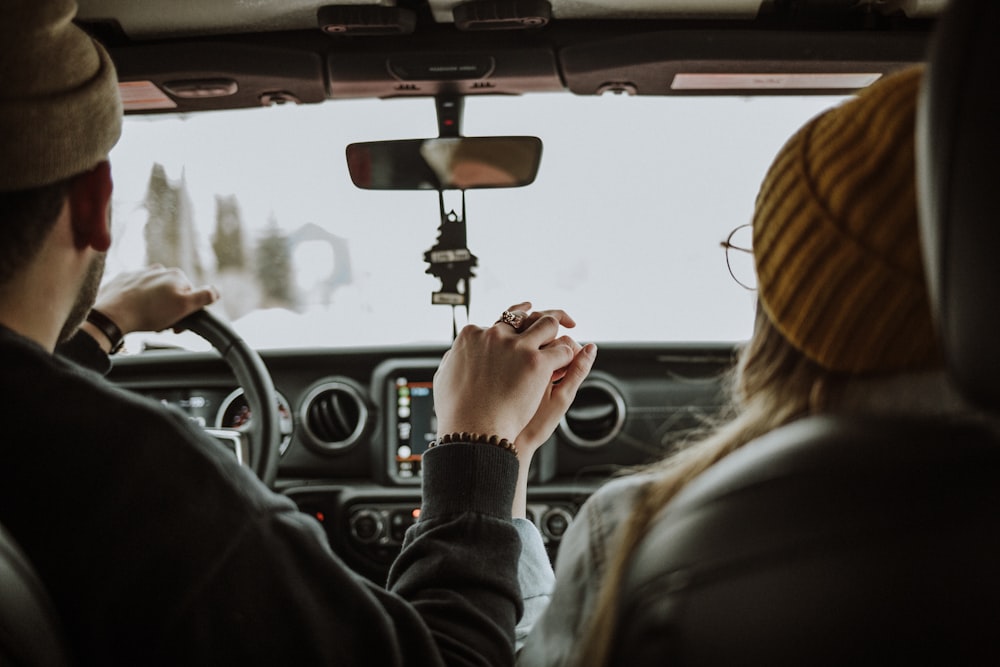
555	401
494	379
560	392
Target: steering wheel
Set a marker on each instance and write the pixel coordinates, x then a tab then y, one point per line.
257	443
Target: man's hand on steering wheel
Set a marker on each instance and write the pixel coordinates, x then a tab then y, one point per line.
158	298
151	299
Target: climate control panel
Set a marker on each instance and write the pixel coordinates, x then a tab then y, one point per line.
383	525
366	527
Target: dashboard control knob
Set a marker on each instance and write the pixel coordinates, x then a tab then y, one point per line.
366	526
555	522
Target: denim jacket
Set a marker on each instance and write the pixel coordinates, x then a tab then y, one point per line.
583	556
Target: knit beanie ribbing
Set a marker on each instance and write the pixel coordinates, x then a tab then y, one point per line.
60	109
836	241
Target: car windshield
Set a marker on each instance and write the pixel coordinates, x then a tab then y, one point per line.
622	226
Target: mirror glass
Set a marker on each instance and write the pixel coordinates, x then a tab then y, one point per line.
445	163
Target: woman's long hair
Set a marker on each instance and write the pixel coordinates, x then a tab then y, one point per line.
772	384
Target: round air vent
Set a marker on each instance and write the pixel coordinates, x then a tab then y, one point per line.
596	416
334	415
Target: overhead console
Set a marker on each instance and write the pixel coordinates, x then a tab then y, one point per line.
457	72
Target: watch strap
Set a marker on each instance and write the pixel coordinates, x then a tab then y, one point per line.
108	328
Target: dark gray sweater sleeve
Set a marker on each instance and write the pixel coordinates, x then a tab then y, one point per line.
281	597
204	565
459	561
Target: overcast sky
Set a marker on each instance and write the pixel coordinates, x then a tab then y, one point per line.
621	228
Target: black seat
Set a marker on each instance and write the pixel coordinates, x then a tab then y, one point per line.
860	540
830	541
958	140
30	634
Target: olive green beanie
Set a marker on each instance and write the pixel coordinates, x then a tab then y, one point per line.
60	110
836	241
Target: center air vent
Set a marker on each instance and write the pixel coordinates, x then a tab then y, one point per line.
334	415
596	416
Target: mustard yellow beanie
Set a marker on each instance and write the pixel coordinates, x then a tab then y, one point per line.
60	110
836	241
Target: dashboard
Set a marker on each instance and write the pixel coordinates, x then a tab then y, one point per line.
355	424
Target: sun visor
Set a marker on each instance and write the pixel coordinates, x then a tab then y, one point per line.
174	77
628	9
738	62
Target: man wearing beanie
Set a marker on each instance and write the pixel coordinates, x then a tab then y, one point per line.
155	546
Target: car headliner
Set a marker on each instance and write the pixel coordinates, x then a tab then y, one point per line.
196	55
145	20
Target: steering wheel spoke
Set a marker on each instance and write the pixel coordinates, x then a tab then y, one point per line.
258	445
234	440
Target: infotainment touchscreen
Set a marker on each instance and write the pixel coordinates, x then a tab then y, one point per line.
411	425
414	424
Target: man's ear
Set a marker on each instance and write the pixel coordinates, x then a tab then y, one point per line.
89	205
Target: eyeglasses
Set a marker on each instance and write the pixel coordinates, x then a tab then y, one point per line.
740	262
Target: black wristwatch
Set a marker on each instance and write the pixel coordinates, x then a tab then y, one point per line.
108	328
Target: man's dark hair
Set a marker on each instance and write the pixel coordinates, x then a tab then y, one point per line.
26	218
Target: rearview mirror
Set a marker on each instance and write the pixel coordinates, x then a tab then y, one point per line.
445	163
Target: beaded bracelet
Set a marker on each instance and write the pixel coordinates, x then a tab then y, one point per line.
494	440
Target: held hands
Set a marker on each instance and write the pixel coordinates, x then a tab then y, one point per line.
512	382
558	394
151	299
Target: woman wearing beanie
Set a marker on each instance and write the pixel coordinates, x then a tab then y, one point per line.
843	324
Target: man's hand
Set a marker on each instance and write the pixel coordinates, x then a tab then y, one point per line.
152	299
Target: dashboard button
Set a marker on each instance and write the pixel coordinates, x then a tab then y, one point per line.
366	526
555	522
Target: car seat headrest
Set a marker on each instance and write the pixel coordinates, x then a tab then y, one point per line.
958	147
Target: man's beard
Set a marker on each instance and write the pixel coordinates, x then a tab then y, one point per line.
85	298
